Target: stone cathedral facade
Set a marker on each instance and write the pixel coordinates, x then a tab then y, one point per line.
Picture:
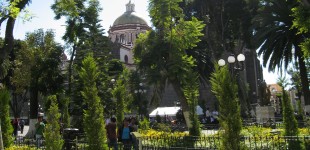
125	31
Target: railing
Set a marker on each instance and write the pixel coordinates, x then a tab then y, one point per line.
211	142
275	142
79	143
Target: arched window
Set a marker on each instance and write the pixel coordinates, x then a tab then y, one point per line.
126	59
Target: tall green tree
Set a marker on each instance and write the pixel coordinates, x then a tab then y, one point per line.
301	21
161	53
277	38
53	138
265	93
289	120
192	94
225	88
40	65
6	127
74	30
139	92
9	13
93	115
295	79
66	115
122	96
17	78
45	74
85	34
227	31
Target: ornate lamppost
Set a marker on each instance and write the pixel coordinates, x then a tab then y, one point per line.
233	65
140	91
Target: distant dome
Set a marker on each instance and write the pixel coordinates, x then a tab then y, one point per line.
129	18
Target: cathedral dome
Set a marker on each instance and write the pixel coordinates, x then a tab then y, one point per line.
129	17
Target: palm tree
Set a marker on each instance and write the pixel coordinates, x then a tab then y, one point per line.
277	41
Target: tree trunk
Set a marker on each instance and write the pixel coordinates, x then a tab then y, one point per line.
32	129
1	140
184	105
8	40
306	3
70	70
33	113
303	75
34	92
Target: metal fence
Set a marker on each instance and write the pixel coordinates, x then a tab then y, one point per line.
213	142
184	143
78	143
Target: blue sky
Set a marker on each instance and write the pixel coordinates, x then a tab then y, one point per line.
44	18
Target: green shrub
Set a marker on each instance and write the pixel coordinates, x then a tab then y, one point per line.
158	118
52	135
162	127
66	116
93	116
6	126
145	124
289	120
255	131
191	93
20	148
225	88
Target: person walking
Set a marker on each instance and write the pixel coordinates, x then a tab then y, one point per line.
39	130
124	134
111	133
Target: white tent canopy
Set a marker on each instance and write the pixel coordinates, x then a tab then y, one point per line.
171	111
162	111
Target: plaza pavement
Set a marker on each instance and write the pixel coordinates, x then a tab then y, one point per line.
26	128
205	132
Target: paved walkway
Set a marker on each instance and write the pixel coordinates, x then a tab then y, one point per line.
206	132
26	128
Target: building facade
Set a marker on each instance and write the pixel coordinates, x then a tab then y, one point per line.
124	32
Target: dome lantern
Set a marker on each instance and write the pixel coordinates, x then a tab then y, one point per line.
129	17
130	7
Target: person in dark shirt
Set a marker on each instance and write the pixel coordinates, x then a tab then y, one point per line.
111	133
15	127
21	124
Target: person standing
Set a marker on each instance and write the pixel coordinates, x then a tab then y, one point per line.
134	125
21	124
124	134
15	127
111	133
208	116
39	130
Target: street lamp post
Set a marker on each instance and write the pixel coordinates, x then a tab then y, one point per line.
140	91
113	99
233	65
